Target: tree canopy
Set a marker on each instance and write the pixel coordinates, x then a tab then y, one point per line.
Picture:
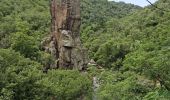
130	47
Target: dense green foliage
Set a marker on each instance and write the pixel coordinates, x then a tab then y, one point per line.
136	50
26	16
130	44
22	78
23	25
96	12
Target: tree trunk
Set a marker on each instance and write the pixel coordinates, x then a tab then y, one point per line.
65	31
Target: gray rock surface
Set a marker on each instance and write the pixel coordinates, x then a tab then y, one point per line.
64	44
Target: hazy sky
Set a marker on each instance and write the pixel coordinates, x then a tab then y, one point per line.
136	2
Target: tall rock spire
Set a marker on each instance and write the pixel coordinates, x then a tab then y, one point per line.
65	31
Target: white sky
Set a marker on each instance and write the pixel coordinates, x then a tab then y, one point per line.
136	2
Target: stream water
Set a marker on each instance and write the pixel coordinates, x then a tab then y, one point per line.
95	87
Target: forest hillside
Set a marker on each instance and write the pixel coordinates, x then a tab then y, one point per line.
129	49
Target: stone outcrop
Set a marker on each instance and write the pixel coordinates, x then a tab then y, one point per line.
65	42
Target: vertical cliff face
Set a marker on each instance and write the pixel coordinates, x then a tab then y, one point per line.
65	41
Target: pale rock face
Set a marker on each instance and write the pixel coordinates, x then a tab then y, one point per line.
67	39
65	44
